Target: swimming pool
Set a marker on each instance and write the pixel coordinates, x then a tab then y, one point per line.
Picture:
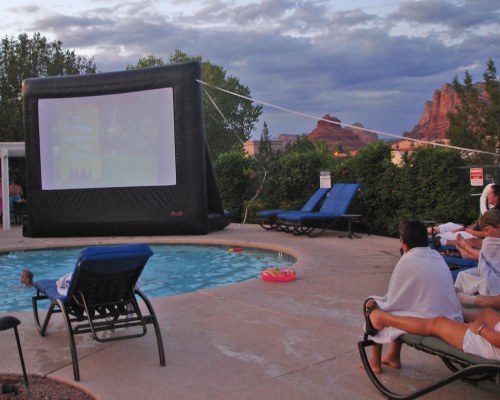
173	269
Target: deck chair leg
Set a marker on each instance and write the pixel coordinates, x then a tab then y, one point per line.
156	326
327	226
42	328
72	345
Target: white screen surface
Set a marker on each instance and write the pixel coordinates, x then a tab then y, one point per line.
117	140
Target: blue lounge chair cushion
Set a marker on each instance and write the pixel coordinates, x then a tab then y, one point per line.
49	288
102	259
310	205
336	204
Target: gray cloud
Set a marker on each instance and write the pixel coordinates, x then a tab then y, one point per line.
457	16
356	64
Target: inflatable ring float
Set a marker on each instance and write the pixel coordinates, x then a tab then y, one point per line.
276	274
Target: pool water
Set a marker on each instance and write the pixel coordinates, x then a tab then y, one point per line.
173	269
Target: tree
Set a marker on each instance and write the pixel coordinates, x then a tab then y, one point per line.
229	120
146	62
233	172
492	118
26	57
433	187
475	123
265	145
379	197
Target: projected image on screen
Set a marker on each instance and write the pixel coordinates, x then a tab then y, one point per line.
116	140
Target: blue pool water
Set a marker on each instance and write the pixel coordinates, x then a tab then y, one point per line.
173	269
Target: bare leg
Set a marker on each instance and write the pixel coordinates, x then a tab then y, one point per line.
450	331
375	360
393	357
466	249
490	316
475	243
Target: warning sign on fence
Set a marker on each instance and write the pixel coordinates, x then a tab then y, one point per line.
476	177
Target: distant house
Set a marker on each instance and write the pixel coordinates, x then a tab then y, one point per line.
252	146
400	148
339	154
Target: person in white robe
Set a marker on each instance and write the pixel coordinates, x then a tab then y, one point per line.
485	279
421	285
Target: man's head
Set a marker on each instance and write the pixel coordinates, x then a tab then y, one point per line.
26	278
494	195
413	234
490	223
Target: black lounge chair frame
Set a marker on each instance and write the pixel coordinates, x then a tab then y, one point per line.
309	227
101	308
462	365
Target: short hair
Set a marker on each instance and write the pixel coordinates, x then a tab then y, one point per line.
490	218
496	189
413	234
29	274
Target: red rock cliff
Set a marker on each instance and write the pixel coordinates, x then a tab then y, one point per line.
335	135
434	122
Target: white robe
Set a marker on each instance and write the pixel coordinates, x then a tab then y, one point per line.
485	279
421	285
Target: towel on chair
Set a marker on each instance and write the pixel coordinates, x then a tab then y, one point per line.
63	283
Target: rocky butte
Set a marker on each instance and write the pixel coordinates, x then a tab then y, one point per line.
434	123
337	136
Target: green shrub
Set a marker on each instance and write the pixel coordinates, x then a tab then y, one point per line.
233	176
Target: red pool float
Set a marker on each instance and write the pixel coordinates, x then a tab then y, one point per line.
276	274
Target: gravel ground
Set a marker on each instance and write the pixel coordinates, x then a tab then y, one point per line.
39	389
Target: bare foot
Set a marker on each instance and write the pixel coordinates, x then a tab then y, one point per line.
391	362
376	367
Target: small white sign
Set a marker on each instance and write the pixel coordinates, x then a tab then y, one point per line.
325	180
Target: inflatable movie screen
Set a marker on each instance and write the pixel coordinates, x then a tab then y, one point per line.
120	153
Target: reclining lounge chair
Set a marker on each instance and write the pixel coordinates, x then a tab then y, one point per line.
267	218
335	205
463	366
101	297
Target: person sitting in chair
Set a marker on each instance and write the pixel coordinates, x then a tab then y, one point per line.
447	233
485	279
480	337
421	285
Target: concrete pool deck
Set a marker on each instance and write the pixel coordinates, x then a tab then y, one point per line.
251	340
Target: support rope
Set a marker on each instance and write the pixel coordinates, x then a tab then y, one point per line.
341	124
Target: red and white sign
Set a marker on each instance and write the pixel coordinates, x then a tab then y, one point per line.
476	177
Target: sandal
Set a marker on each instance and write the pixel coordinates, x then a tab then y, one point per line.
369	328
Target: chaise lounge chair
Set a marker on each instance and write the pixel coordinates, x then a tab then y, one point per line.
334	207
101	297
462	365
267	218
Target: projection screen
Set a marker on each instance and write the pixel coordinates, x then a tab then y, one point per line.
120	153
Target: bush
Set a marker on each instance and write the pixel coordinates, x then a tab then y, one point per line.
433	188
233	176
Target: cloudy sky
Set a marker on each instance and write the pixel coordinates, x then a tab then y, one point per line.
370	61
